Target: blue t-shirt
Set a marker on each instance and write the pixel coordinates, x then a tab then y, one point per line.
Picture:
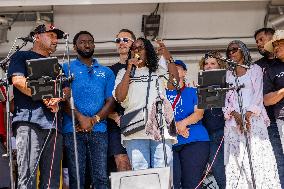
91	86
25	109
184	108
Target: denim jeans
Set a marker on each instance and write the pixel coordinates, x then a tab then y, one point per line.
30	140
275	140
146	153
218	168
91	146
280	125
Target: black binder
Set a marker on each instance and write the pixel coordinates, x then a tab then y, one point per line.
42	75
211	85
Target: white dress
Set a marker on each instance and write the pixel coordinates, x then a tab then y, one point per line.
238	175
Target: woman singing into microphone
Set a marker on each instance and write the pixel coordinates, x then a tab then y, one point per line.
264	169
135	89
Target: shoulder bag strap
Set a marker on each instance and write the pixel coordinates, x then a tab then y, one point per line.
177	98
147	96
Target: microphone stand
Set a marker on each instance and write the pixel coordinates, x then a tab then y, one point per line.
5	82
217	88
240	102
159	112
72	111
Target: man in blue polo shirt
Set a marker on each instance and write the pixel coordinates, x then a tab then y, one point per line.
92	91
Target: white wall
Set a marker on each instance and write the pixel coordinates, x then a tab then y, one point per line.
232	20
179	20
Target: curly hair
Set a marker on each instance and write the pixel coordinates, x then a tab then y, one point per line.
214	54
151	55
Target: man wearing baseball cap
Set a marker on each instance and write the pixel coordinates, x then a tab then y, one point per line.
274	81
43	28
34	122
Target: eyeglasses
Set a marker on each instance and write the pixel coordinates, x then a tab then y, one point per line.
122	39
139	48
233	50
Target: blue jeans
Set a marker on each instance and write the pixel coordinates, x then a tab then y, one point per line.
146	153
30	141
91	146
218	168
190	161
275	139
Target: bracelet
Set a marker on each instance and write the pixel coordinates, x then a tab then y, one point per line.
98	119
170	61
95	119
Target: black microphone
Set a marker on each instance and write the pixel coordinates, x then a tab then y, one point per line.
133	68
27	39
65	35
232	63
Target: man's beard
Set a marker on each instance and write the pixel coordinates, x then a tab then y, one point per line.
85	54
264	53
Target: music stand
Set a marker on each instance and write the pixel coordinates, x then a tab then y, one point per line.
211	89
42	78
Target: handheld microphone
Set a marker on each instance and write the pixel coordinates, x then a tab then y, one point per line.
27	39
133	68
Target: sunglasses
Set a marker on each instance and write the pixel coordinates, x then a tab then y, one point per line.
233	50
139	48
123	39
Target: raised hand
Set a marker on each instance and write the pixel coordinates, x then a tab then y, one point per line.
163	50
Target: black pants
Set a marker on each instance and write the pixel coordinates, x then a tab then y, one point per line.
189	163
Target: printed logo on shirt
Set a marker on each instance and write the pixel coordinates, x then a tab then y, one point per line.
99	73
178	108
281	74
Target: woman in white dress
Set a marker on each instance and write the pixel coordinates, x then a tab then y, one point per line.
238	173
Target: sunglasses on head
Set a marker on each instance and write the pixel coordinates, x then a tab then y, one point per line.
208	55
122	39
233	50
